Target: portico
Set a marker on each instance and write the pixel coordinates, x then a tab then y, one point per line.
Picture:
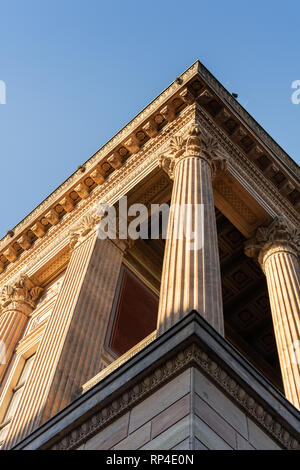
112	317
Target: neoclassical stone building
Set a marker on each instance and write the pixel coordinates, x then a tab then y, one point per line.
147	344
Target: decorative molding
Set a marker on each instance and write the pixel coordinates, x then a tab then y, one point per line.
253	126
277	237
261	187
115	185
126	134
85	226
118	362
53	268
196	143
133	170
191	356
131	140
20	295
237	203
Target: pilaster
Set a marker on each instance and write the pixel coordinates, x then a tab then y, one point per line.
17	301
70	353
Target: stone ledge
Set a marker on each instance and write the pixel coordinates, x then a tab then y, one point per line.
191	342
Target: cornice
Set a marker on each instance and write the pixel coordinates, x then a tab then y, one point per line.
194	85
189	357
116	184
249	121
191	342
248	170
123	134
118	362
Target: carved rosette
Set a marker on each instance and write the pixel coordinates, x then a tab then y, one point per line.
278	237
85	226
21	295
196	143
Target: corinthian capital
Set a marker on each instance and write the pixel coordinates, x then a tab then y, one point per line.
278	236
195	143
21	295
85	226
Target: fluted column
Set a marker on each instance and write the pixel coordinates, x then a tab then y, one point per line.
70	352
191	271
277	250
17	301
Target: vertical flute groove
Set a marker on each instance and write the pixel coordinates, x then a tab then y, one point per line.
66	357
282	271
191	279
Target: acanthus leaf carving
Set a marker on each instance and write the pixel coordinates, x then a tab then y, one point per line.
85	226
24	291
278	235
279	231
195	143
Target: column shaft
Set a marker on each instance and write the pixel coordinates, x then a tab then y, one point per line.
17	301
283	275
277	249
191	277
12	325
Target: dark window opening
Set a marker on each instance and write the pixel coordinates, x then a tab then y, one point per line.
135	313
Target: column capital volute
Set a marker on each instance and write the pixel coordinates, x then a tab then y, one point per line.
278	236
21	295
196	143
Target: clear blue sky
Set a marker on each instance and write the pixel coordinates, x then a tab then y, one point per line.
77	71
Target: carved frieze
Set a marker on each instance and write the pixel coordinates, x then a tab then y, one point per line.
107	192
195	85
191	356
247	172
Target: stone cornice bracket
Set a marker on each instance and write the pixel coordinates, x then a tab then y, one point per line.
279	236
21	295
198	144
85	226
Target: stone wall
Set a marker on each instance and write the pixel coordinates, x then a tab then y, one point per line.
189	412
186	389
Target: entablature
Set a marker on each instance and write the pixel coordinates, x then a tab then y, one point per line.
251	147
